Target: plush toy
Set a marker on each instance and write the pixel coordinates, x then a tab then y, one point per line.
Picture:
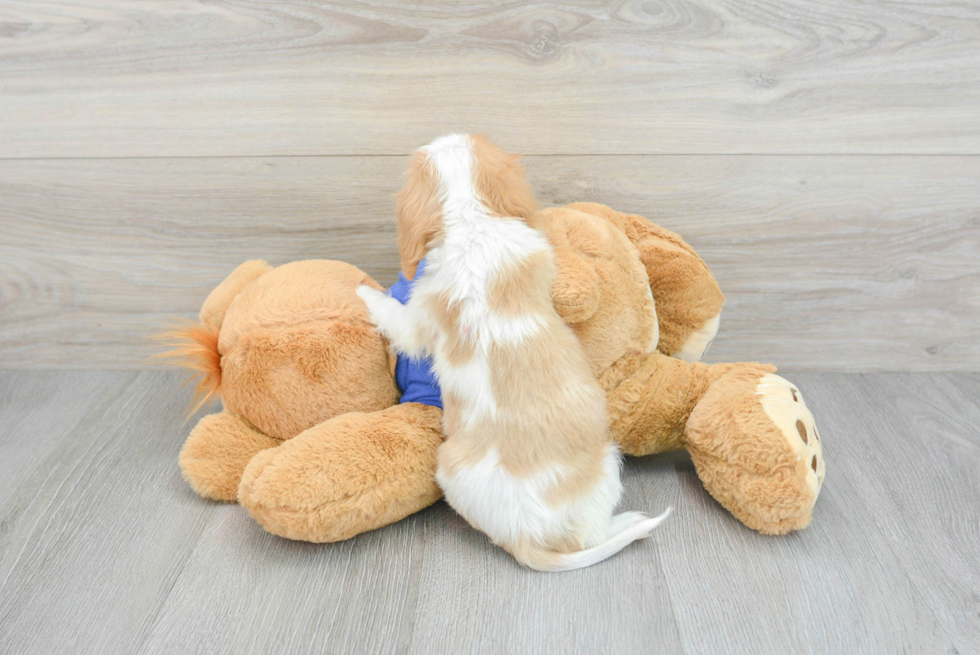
314	442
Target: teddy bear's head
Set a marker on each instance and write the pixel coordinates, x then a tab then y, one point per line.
295	346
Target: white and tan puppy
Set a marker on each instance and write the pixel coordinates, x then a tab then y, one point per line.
527	457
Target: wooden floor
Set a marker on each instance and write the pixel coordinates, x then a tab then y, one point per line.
823	156
104	548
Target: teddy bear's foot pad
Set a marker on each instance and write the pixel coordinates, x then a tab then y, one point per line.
697	344
784	405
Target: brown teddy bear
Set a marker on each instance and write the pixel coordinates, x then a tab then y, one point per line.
313	441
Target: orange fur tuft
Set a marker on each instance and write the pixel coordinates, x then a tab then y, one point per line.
195	346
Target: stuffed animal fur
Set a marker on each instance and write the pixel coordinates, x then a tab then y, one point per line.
313	441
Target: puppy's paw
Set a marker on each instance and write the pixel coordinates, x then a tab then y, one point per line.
373	298
368	294
385	311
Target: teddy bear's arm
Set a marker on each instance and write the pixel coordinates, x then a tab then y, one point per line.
575	290
350	474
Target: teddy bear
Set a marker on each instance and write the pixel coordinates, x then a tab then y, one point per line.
319	443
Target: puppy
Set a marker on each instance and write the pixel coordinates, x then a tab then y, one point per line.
527	458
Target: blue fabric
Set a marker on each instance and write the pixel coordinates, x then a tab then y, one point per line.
414	376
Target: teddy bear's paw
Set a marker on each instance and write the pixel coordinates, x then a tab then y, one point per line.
698	342
784	405
350	474
216	453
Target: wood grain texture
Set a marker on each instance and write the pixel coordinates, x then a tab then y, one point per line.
888	564
829	263
96	535
39	412
105	549
123	79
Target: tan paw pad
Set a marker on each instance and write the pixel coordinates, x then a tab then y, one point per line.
784	405
696	345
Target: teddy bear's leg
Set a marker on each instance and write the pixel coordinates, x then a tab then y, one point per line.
216	453
650	398
751	437
353	473
756	448
687	296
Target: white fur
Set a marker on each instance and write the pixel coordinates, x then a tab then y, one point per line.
475	247
507	508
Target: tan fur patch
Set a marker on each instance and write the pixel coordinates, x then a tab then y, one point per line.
508	291
499	180
579	482
539	424
419	213
566	544
533	555
458	348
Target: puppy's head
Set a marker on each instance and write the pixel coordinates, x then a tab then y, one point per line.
451	173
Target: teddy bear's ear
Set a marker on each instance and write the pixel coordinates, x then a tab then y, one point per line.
419	213
195	345
217	303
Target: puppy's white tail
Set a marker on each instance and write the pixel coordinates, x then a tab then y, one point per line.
633	526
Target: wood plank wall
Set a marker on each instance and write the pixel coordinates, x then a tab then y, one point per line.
823	157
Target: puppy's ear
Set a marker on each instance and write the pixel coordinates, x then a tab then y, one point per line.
419	213
499	179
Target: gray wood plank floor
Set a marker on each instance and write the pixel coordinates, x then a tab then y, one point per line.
104	548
